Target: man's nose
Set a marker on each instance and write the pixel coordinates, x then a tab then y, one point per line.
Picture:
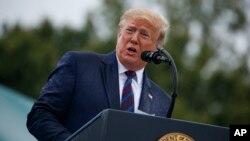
135	38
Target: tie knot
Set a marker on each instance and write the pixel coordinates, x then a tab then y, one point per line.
130	74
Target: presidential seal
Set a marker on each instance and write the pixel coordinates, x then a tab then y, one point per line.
176	137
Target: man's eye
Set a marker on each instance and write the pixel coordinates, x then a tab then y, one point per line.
145	35
129	30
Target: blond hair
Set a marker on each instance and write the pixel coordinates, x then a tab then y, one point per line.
155	19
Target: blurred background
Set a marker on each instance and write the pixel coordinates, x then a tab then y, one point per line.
208	39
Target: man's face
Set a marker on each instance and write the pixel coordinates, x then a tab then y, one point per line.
134	37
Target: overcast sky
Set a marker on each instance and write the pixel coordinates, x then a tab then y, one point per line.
60	12
31	12
72	12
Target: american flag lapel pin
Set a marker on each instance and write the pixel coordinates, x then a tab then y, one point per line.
150	96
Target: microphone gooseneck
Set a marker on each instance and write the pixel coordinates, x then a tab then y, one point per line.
157	57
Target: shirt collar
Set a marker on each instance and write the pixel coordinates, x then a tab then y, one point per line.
122	69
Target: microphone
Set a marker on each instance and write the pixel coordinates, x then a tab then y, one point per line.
153	57
161	55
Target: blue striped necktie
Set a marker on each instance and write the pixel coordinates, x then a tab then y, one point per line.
127	103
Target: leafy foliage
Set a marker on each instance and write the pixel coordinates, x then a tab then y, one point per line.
211	90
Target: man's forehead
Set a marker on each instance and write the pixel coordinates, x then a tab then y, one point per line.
142	23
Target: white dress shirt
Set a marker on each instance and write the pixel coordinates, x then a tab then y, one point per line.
136	84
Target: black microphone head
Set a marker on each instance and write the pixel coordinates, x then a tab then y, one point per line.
147	56
156	58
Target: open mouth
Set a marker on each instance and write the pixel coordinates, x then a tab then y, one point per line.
132	49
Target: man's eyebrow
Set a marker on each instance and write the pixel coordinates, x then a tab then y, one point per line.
144	30
131	26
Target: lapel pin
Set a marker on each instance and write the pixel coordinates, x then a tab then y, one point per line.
150	96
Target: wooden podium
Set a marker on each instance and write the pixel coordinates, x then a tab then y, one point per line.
114	125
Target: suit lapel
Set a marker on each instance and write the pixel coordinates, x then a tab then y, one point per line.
109	70
147	99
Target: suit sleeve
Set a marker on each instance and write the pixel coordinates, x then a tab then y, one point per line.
46	116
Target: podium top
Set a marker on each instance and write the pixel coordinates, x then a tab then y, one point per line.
112	125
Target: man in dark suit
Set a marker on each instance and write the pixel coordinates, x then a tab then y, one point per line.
85	83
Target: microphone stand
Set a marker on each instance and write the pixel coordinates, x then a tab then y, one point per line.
173	68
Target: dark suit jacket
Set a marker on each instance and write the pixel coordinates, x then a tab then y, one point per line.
82	85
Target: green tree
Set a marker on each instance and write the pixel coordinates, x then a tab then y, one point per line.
214	76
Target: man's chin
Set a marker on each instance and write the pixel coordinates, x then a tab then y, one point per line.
134	65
